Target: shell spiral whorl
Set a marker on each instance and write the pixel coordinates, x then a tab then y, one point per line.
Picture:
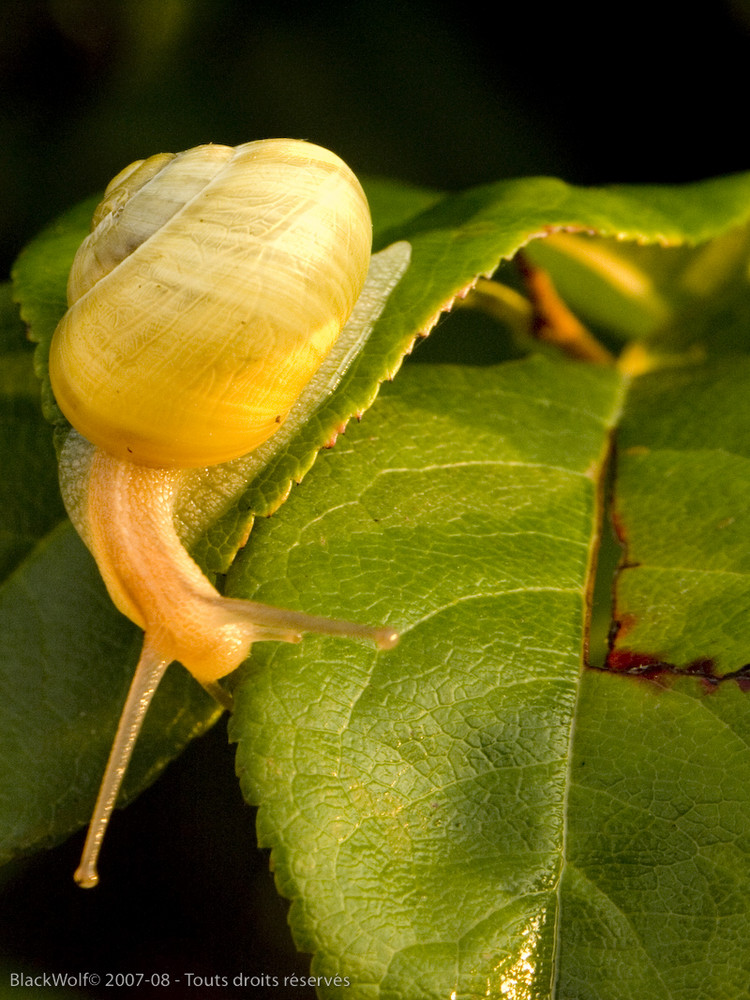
213	284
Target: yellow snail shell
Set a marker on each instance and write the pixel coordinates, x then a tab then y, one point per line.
213	284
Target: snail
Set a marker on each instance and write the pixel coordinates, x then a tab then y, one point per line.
212	286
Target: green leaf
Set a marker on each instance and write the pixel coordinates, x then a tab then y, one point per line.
29	498
683	517
477	812
654	896
415	799
472	814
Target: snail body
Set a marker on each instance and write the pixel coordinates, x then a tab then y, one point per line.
212	286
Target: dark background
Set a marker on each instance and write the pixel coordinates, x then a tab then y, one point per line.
437	94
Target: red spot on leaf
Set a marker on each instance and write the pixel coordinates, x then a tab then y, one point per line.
619	528
628	661
653	668
704	667
624	624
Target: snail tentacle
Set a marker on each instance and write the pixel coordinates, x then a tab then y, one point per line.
148	673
